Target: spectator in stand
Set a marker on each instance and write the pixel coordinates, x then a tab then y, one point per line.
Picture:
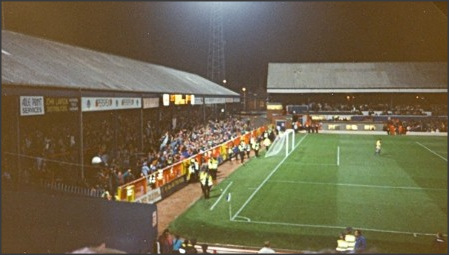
128	176
145	170
266	248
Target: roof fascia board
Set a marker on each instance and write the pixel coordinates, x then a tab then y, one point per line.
298	91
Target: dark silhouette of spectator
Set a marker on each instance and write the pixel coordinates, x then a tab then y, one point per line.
360	242
242	151
204	248
166	242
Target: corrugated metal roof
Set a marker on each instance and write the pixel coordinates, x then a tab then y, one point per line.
391	76
28	60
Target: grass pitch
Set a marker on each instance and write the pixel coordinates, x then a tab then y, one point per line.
330	181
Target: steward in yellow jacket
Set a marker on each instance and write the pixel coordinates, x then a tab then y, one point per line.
206	183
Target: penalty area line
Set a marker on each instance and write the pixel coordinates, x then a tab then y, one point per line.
445	159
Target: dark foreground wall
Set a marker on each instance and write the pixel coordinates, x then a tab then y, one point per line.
35	222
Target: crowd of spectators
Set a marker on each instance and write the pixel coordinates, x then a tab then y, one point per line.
375	108
173	146
45	151
52	153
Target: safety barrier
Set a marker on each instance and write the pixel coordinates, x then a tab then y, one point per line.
82	191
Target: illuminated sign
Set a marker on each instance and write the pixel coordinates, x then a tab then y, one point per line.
179	99
274	106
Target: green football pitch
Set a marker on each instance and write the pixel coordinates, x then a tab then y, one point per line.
328	182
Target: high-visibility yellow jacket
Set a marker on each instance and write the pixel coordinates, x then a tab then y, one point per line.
342	245
206	179
267	142
212	164
256	146
350	239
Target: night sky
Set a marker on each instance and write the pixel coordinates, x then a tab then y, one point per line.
176	34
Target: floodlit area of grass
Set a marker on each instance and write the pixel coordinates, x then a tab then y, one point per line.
330	181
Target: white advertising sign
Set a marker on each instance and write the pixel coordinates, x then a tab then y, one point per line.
214	100
150	103
229	100
89	104
31	105
150	197
166	99
197	101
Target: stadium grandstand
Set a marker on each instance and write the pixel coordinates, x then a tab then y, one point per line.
63	106
377	92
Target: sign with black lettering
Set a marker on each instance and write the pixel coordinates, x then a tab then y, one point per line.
31	105
89	104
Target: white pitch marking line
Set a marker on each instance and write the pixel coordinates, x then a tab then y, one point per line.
445	159
360	185
307	164
338	155
219	198
337	227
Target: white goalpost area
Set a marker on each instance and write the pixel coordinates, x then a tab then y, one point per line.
283	143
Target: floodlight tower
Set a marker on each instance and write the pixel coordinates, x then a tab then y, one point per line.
215	56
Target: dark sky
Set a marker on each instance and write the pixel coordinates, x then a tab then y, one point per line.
176	34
